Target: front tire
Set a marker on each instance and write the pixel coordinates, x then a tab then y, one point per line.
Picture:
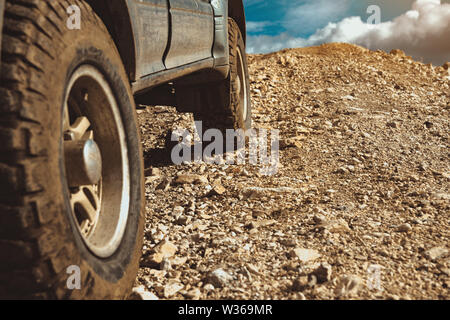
71	171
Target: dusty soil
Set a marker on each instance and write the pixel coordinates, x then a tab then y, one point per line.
365	215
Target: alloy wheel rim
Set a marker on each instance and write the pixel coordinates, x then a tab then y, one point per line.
99	190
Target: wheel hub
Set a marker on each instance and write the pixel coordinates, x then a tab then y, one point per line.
83	162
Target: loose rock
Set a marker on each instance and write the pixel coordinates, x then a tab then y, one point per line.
219	278
172	288
348	286
436	253
323	273
139	293
304	255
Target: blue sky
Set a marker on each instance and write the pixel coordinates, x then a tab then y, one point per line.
276	16
275	24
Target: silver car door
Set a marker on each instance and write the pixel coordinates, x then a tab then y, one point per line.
151	30
192	32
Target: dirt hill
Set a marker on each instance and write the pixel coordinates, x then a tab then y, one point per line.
360	206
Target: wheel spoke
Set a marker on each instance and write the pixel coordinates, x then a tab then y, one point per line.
80	127
89	135
85	203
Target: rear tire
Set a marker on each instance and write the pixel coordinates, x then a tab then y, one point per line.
61	88
225	104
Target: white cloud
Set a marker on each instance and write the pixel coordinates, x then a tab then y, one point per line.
423	32
257	26
309	16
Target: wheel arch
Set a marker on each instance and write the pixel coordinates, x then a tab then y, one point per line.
2	11
237	12
117	18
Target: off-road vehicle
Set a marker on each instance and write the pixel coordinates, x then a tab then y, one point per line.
71	167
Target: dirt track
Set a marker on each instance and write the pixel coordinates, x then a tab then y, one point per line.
365	157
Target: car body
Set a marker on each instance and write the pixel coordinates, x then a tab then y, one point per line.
164	40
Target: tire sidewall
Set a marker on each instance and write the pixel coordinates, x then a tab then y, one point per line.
112	268
112	277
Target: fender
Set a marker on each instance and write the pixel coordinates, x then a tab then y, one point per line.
222	10
2	10
220	48
237	12
117	18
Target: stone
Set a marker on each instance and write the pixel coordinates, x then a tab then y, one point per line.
301	296
163	250
291	266
335	226
348	286
319	219
392	124
304	255
397	52
436	253
323	273
209	287
219	278
191	179
177	211
253	269
183	220
444	270
178	261
260	224
300	284
312	281
441	196
198	225
172	288
164	185
350	98
428	124
294	142
193	294
288	242
166	248
406	227
154	172
257	192
139	293
165	265
217	190
341	170
151	179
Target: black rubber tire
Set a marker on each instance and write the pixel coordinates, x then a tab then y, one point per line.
218	104
37	241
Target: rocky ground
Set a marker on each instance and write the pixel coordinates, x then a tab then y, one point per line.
360	205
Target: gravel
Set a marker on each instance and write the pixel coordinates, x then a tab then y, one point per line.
363	181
